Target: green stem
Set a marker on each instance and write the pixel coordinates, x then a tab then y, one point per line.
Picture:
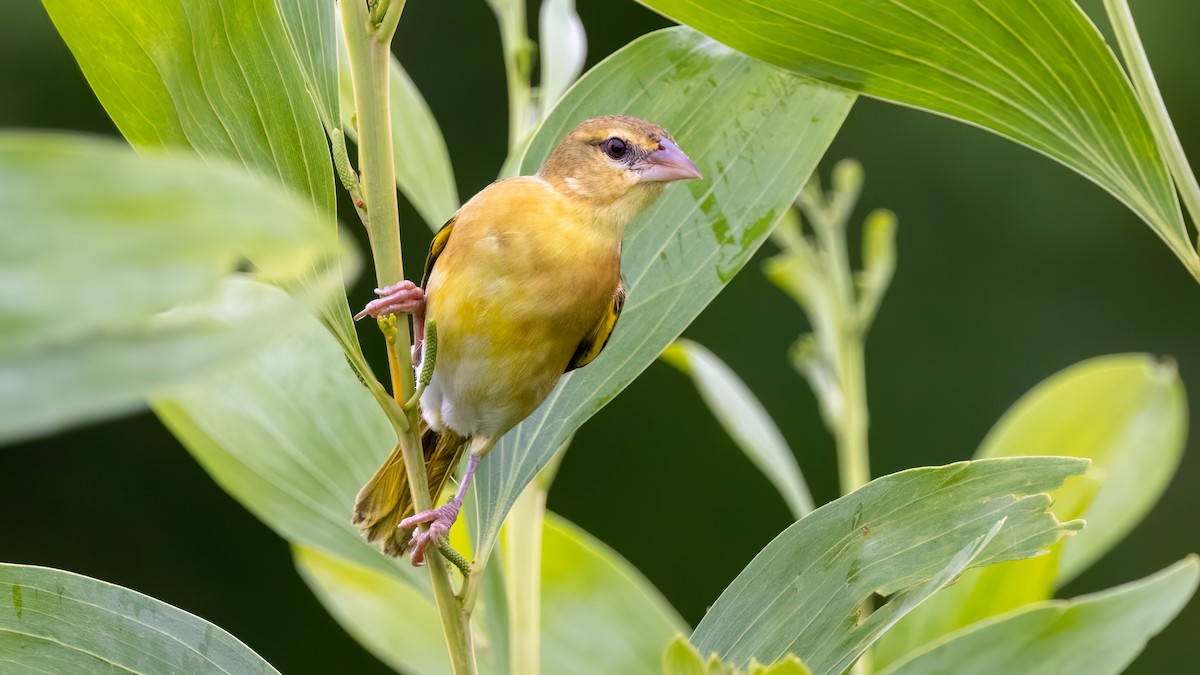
845	351
854	461
369	47
517	64
854	464
1156	110
523	578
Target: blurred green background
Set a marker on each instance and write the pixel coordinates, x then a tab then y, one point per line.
1011	268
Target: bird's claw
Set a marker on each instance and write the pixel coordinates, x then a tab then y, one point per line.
440	520
402	298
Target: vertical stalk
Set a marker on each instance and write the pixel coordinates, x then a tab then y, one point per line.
854	462
518	59
829	222
840	308
523	562
368	43
1156	110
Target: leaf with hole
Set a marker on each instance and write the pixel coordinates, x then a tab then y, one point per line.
905	535
1127	413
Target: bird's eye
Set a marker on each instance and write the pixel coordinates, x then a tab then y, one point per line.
615	148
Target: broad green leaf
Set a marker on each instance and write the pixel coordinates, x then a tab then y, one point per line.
292	435
109	261
394	621
596	609
744	418
423	171
681	658
1094	634
1127	413
756	133
58	622
563	47
909	533
1034	71
313	29
219	77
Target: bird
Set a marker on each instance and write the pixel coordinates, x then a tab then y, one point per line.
524	285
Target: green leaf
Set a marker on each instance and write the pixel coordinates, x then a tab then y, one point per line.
312	27
912	531
1095	634
58	622
108	264
563	46
292	435
394	621
423	171
1036	72
1127	413
681	658
745	420
756	136
598	609
218	77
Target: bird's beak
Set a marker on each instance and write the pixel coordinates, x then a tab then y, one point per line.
668	163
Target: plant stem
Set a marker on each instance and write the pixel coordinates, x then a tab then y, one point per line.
1152	104
517	64
839	328
523	563
854	464
829	223
369	48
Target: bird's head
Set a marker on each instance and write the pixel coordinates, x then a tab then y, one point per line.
616	165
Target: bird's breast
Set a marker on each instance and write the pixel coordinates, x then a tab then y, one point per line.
512	301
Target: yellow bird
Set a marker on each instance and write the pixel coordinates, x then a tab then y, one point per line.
524	285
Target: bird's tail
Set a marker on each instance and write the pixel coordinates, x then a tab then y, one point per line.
386	500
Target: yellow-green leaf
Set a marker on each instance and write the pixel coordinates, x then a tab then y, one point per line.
1034	71
1098	634
114	268
1128	414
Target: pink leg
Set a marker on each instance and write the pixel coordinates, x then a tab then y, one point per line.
402	298
439	519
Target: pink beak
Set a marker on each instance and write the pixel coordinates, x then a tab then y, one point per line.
668	163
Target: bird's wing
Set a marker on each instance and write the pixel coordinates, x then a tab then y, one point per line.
436	248
593	343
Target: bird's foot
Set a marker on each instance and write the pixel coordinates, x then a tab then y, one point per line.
402	298
440	520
